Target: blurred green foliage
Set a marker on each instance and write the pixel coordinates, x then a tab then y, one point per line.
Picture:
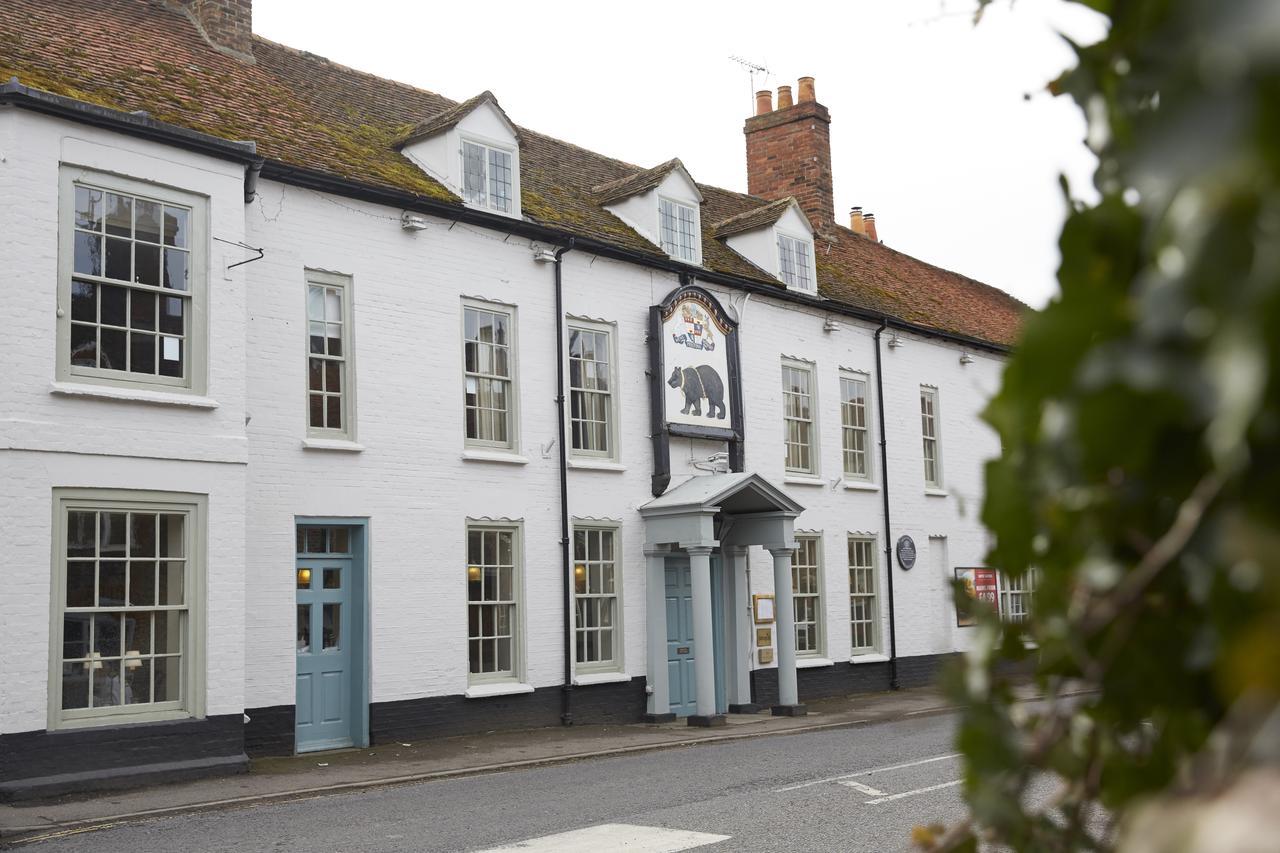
1140	421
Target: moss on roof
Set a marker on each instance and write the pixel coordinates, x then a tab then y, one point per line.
303	110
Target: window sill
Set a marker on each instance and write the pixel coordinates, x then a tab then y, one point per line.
937	493
802	480
812	663
590	678
861	486
341	444
869	658
501	688
132	395
596	465
505	457
121	719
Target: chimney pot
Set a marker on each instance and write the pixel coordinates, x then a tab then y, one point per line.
870	221
806	90
764	102
856	222
784	97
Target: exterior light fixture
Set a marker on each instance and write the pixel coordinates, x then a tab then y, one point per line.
544	256
473	574
965	358
831	325
411	221
894	341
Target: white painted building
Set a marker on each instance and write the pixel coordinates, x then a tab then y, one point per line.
280	449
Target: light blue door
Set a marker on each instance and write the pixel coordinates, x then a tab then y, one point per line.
682	682
326	713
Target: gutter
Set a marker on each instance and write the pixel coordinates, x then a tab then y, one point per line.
884	493
143	126
566	544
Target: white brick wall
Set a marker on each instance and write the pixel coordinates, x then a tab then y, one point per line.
410	479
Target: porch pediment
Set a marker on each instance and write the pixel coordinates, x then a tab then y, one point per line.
750	509
736	493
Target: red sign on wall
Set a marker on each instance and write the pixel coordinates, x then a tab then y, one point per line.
979	585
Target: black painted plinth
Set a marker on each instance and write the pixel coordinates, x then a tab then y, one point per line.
658	718
790	710
708	722
749	708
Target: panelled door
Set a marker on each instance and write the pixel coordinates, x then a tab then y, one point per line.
325	707
682	682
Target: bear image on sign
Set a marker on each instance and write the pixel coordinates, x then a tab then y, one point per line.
698	384
695	338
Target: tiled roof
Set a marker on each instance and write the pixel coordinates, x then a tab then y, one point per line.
749	220
305	111
637	183
450	117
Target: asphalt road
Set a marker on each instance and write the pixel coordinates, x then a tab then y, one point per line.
845	789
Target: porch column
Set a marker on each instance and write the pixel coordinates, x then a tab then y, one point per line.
703	640
659	703
785	616
743	641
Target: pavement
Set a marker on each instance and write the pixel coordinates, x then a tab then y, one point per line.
315	775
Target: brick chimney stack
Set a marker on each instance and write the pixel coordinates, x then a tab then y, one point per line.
856	223
227	25
869	221
789	152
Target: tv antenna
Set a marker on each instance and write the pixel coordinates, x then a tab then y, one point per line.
753	68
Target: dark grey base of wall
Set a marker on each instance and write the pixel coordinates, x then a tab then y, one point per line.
34	765
446	716
269	731
844	679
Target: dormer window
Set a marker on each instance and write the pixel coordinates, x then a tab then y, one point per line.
795	264
486	176
678	226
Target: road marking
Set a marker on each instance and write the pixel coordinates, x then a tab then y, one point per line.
861	788
614	836
893	797
868	772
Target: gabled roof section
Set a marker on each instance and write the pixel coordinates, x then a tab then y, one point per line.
305	112
749	490
453	115
641	182
759	217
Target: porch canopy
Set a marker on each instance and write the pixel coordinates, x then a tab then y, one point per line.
723	514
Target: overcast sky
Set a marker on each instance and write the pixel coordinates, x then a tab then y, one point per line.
931	128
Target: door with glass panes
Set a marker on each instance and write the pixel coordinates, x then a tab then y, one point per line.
325	715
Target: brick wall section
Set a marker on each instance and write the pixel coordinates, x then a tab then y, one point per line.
225	23
847	679
447	716
789	154
269	731
107	756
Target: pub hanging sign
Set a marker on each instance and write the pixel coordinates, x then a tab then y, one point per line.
696	391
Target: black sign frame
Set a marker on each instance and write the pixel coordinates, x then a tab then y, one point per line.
660	430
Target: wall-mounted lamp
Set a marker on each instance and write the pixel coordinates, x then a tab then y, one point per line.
831	325
965	358
411	221
894	341
473	574
544	256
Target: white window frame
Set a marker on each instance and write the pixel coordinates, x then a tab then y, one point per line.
868	455
347	371
801	242
516	529
819	649
613	404
809	368
615	530
194	335
870	571
931	421
1021	590
512	444
674	249
488	145
192	686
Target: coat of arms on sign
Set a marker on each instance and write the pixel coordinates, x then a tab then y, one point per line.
698	333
